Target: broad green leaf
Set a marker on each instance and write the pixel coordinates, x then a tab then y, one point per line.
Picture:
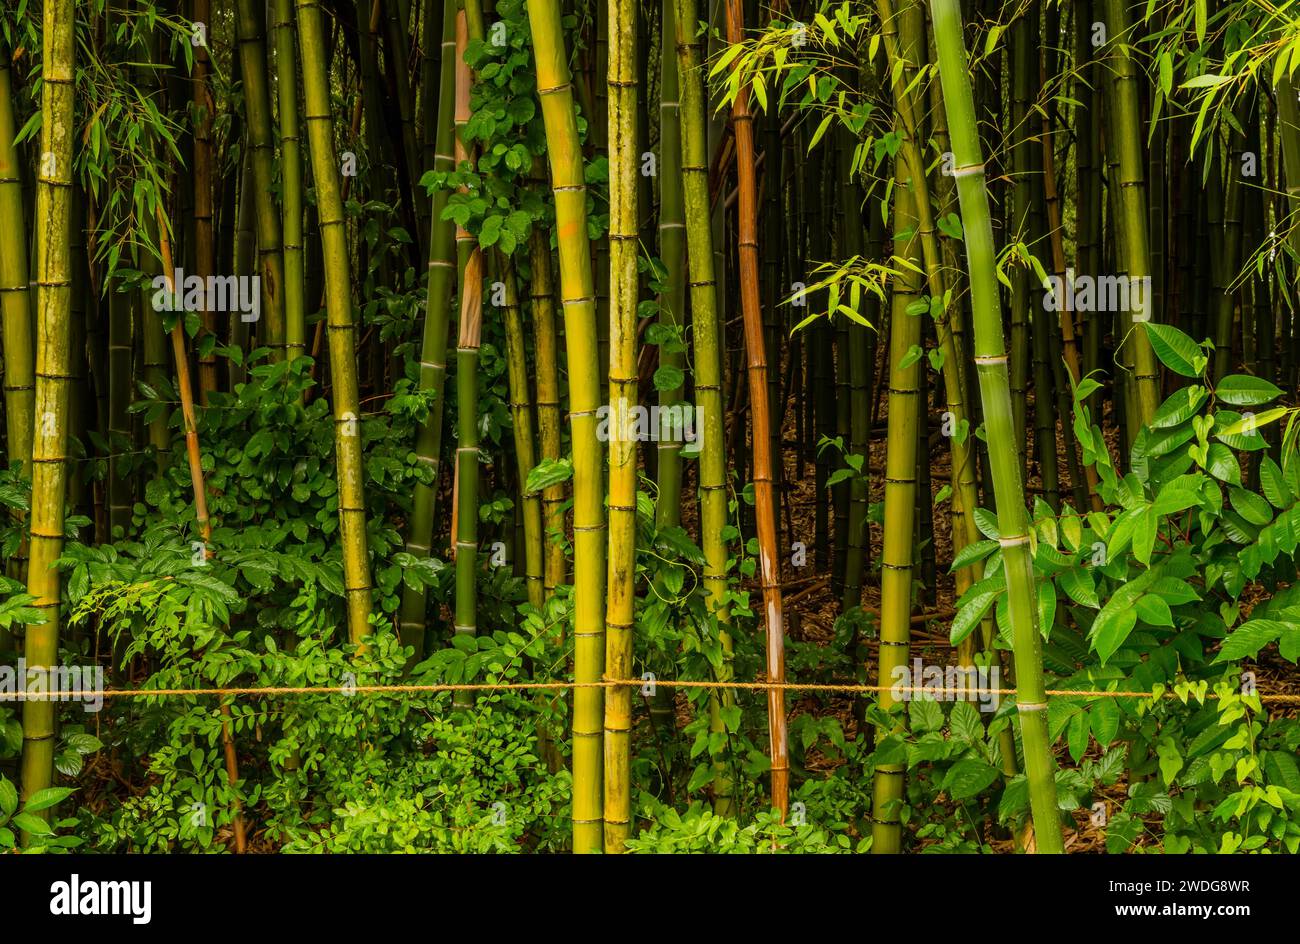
1239	432
923	712
1110	630
1146	527
970	614
546	473
1223	465
1176	350
1180	406
31	823
1174	591
1244	390
1289	643
965	723
1105	716
44	799
1078	586
1153	610
1077	738
1046	607
1171	761
968	777
1174	497
1273	484
987	522
972	553
1248	638
1250	506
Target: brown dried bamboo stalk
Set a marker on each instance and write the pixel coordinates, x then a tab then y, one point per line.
760	410
186	394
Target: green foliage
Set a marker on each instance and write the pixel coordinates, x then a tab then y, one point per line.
1159	593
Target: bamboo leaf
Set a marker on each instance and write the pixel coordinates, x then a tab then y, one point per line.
1206	80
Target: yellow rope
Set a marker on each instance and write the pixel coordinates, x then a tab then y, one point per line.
606	683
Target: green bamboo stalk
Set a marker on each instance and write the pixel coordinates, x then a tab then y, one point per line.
465	487
205	248
1023	40
905	404
1041	327
598	147
378	168
1257	208
843	402
153	344
546	364
52	382
149	324
991	361
342	330
903	43
577	293
295	272
431	66
1088	187
15	299
521	415
859	393
467	448
1227	257
672	250
1127	141
396	41
433	347
261	151
624	163
706	330
1288	129
120	493
15	311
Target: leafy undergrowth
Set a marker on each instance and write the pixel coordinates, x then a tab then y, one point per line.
1181	593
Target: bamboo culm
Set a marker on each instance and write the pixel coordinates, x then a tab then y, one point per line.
991	362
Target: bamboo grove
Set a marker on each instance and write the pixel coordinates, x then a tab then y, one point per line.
794	427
